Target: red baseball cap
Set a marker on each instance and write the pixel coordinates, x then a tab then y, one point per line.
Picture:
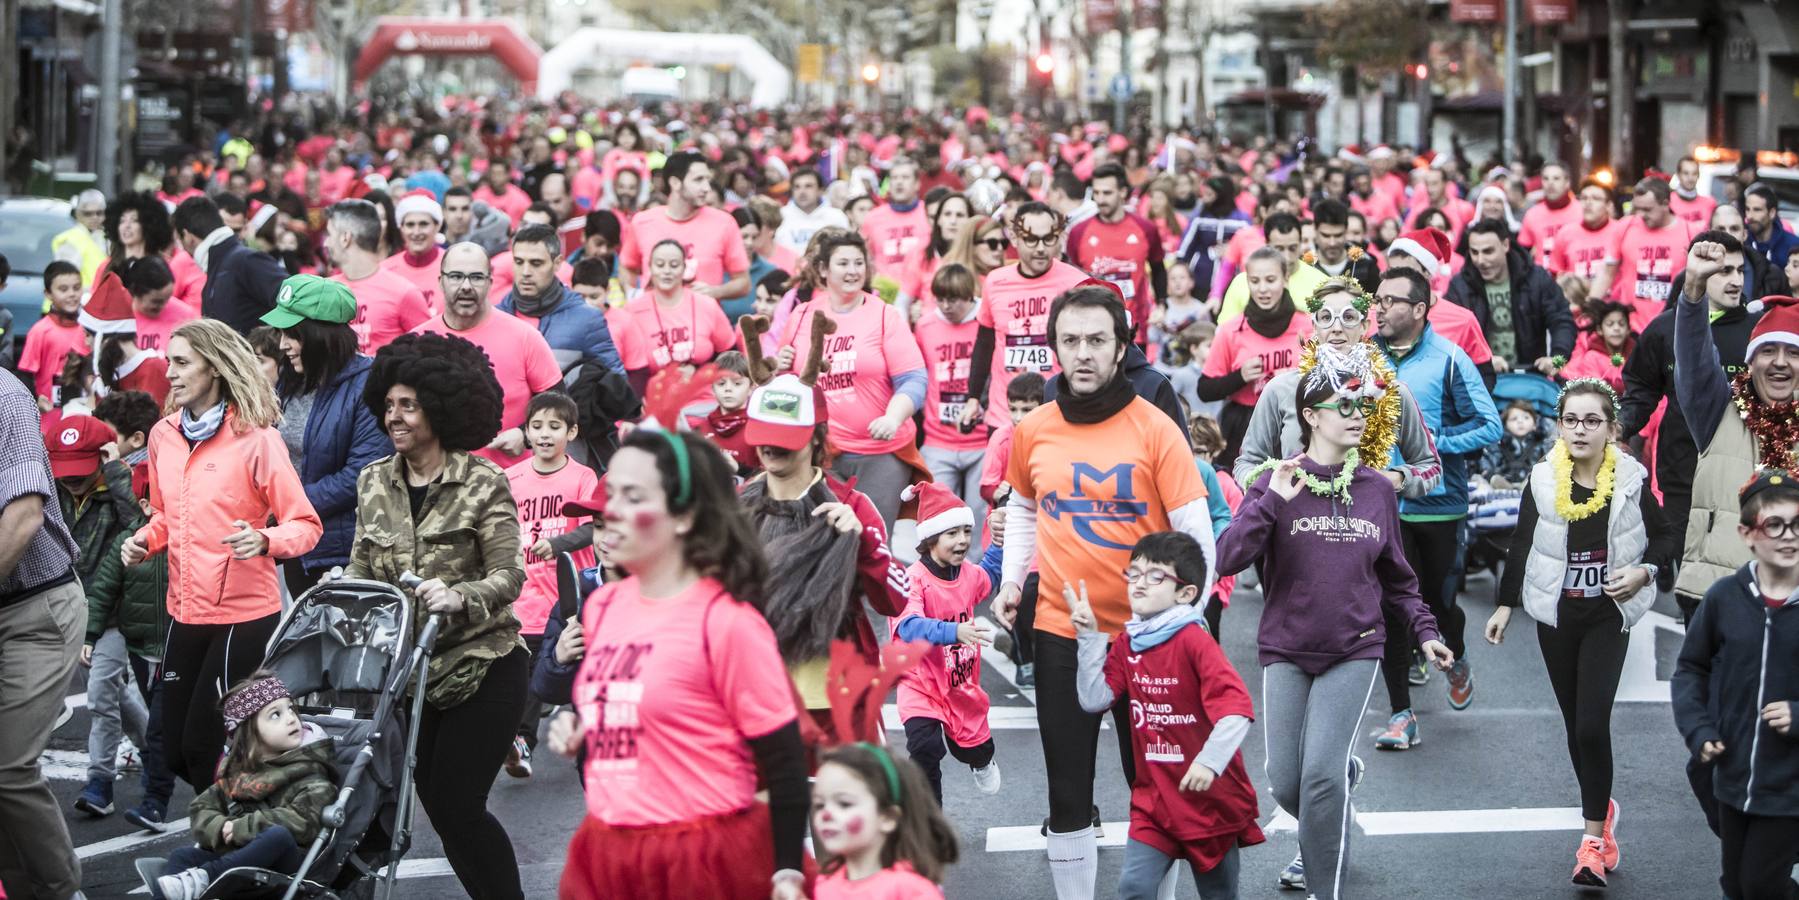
74	443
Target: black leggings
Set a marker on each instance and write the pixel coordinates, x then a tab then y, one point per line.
1233	422
1070	735
1025	620
1758	854
1431	548
199	664
926	744
534	708
460	752
1584	660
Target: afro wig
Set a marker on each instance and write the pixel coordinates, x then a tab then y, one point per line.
152	219
455	385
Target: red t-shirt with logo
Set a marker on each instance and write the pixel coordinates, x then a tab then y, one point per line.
1236	343
693	331
714	245
1120	252
387	306
153	333
1647	262
1017	309
948	350
539	497
1582	250
893	236
1178	691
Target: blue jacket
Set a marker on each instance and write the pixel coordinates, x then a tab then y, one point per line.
1779	245
575	331
1458	412
938	631
342	437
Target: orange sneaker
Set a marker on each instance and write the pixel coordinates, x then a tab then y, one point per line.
1612	854
1589	862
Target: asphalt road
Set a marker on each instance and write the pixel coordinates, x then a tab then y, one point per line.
1484	807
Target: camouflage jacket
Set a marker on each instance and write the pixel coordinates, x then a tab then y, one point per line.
467	535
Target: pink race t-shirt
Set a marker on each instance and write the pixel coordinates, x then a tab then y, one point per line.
511	201
946	685
1581	250
896	883
190	282
633	346
948	350
1541	224
1647	262
47	345
387	306
521	360
915	282
671	692
870	347
539	497
714	245
692	331
1017	309
422	273
894	236
1461	327
1236	343
153	333
1696	212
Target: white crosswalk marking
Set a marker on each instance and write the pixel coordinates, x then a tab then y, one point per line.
1639	683
434	867
177	828
1452	821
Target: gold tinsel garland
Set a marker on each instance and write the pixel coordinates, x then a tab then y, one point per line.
1381	431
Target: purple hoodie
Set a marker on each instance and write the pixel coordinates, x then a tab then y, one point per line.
1327	570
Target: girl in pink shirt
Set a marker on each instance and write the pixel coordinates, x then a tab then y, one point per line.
682	701
685	328
1253	348
941	701
881	837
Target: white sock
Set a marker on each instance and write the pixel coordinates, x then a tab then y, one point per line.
1074	863
1171	882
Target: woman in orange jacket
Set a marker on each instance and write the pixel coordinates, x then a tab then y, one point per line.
218	475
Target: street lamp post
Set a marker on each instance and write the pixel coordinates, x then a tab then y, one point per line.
106	146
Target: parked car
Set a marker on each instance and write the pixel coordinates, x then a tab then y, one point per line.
27	225
1783	179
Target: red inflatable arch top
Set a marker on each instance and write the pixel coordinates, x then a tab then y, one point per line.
397	36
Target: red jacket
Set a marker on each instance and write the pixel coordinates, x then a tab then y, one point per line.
195	496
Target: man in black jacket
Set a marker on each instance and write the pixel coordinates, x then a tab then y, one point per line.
1649	377
241	283
1533	326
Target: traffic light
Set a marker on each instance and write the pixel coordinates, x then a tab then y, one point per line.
1044	65
1419	71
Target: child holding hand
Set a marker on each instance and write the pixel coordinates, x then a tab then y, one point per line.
1191	798
266	804
879	837
941	702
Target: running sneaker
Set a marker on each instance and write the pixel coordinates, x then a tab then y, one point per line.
149	815
128	759
1293	877
1357	769
986	778
1613	855
1027	675
1401	733
1589	862
190	884
518	759
1461	684
95	799
1419	673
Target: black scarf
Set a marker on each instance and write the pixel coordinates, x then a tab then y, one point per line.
1270	323
1098	406
535	307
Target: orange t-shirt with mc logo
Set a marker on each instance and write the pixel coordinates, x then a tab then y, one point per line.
1098	489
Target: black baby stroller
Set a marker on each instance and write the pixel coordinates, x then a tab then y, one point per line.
1493	512
345	651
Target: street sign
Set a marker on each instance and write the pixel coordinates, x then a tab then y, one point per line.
810	63
1121	86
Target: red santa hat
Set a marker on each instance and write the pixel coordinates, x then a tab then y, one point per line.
108	310
1429	246
939	510
1779	324
419	201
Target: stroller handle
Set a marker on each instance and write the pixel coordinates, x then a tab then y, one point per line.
434	624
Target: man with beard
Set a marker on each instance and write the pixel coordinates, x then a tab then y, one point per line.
1013	336
1543	221
717	264
521	358
829	564
1121	247
1106	467
1649	377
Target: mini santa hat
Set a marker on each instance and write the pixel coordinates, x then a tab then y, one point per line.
1779	324
1429	246
108	310
939	510
419	201
260	214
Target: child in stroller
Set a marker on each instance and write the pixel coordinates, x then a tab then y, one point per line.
1496	488
1506	465
269	796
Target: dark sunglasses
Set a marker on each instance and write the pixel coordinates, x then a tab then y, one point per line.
995	244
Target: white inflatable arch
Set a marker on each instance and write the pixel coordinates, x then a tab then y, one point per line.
770	81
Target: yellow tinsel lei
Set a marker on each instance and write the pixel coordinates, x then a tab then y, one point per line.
1380	432
1563	464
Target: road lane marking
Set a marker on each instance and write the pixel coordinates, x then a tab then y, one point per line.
1638	683
1009	717
1009	838
177	828
1452	821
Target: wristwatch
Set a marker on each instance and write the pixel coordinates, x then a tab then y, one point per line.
1654	570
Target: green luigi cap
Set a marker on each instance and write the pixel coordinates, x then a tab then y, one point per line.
311	297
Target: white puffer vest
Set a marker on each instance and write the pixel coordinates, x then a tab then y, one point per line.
1626	541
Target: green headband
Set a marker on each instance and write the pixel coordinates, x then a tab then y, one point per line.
683	466
886	761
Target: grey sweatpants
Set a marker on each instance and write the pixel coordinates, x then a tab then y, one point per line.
1145	867
881	476
960	471
116	705
1311	725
